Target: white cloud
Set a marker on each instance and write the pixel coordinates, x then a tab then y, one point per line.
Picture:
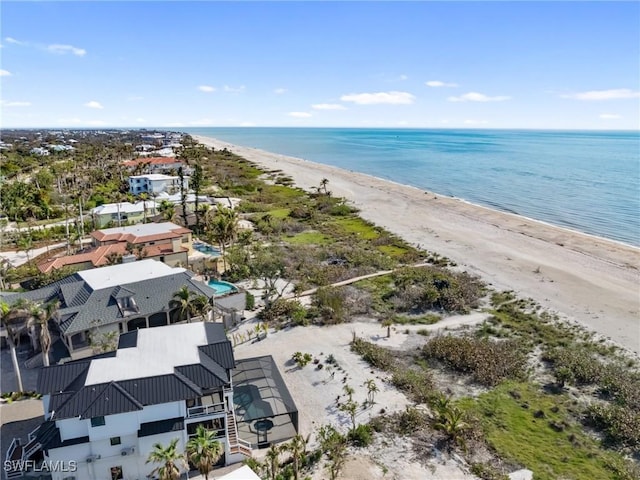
610	116
475	122
478	97
613	94
438	83
15	104
64	49
229	89
13	40
299	114
5	73
328	106
94	104
206	88
280	91
389	98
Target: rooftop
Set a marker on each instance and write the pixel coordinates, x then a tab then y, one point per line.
155	354
123	207
154	176
125	273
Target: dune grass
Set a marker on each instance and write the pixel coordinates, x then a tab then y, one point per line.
535	430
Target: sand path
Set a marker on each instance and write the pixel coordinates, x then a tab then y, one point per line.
584	278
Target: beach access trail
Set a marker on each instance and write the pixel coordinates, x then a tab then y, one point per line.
583	278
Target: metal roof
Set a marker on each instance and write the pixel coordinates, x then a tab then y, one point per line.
71	396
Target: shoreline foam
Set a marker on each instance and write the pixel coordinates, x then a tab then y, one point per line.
585	278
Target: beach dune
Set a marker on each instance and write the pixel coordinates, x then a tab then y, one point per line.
582	278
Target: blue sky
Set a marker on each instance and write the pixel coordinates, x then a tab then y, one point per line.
573	65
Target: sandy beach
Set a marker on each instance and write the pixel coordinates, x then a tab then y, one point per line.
586	279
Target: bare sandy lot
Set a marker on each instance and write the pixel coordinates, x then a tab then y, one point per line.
587	279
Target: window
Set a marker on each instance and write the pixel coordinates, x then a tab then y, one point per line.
115	441
116	473
97	421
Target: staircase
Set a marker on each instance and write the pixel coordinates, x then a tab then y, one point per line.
18	454
235	444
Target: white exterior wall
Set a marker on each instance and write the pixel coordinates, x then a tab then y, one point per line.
152	413
72	428
125	426
115	425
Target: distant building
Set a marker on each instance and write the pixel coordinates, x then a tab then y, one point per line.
155	183
123	212
43	152
119	298
165	242
148	165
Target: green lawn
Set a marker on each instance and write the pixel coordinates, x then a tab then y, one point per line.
523	427
357	226
279	213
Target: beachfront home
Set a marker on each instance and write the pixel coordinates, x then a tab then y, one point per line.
119	299
163	165
105	413
123	212
155	183
165	242
177	240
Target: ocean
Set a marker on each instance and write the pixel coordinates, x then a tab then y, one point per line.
587	181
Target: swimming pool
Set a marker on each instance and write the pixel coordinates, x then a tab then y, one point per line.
207	249
222	288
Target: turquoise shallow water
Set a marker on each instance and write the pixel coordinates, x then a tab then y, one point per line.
584	180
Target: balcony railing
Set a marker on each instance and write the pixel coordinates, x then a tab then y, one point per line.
202	410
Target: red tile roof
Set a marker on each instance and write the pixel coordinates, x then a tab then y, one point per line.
98	255
135	239
152	161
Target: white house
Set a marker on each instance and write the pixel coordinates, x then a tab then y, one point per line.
106	413
155	183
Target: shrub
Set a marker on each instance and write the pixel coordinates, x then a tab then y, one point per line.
620	424
488	361
283	310
251	301
361	436
411	420
486	471
418	384
330	302
377	356
301	359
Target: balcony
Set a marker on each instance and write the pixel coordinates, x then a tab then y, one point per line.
203	410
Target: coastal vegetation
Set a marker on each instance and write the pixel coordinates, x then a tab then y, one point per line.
521	389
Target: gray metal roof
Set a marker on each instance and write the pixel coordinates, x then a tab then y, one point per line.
72	397
48	436
83	308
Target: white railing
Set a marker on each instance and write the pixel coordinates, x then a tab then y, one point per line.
32	434
206	410
12	448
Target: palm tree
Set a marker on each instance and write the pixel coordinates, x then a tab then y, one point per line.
144	197
273	461
204	450
25	242
372	389
297	447
323	184
170	460
452	423
222	227
185	301
40	320
168	210
387	323
12	320
201	306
